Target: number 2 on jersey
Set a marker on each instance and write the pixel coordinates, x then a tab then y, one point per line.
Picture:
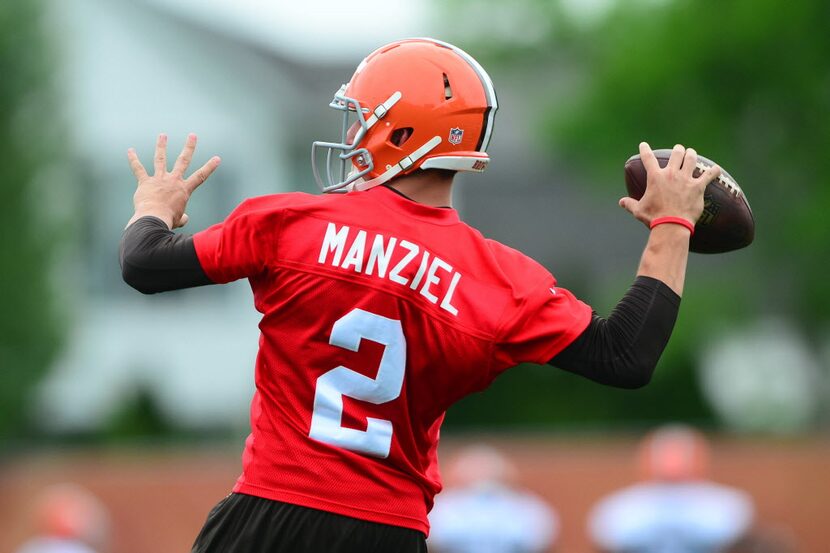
326	418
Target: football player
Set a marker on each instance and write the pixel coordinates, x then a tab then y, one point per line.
676	507
380	308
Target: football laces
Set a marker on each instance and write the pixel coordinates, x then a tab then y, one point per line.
726	181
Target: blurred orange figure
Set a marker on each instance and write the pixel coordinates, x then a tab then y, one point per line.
674	453
675	509
69	519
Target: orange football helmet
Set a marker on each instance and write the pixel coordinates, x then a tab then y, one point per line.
414	103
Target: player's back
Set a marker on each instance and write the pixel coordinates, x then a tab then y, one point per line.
378	314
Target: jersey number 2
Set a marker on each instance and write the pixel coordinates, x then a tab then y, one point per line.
326	419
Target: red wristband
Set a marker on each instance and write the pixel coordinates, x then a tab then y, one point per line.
673	220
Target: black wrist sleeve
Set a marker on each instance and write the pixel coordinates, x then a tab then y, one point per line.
623	350
156	259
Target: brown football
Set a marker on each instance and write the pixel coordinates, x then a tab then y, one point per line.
727	222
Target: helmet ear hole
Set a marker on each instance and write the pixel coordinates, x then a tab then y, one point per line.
447	88
400	136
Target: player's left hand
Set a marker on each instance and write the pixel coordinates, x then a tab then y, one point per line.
164	195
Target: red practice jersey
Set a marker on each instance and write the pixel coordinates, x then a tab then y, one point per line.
378	313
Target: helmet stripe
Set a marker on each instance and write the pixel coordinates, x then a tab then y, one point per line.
486	130
489	92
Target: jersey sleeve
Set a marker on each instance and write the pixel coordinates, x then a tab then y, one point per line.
242	245
541	321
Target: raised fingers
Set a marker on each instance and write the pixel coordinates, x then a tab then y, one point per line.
160	158
648	158
202	174
184	158
676	157
689	162
135	164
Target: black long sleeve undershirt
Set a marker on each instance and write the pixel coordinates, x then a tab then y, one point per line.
623	350
620	351
156	259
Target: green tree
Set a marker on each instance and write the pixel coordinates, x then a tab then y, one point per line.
29	328
746	83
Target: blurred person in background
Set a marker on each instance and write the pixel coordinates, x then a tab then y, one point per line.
381	308
68	519
484	511
675	509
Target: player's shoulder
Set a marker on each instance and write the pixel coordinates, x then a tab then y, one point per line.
275	202
517	267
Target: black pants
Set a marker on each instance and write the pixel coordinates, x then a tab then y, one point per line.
244	523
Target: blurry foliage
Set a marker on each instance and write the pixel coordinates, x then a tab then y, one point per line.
532	397
139	417
747	83
29	325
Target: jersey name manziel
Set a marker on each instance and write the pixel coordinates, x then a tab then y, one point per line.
381	250
378	313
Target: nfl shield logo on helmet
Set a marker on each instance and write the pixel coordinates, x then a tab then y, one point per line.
456	135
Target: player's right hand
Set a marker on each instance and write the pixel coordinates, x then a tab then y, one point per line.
165	194
673	190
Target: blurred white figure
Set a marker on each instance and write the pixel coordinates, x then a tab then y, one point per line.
675	510
485	513
69	520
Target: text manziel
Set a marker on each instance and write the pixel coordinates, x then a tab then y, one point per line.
432	271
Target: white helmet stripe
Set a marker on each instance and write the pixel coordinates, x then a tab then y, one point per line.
381	109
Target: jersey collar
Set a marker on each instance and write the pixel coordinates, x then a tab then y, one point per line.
400	203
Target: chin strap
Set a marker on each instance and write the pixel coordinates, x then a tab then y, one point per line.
393	170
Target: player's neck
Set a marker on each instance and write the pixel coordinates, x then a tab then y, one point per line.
431	188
